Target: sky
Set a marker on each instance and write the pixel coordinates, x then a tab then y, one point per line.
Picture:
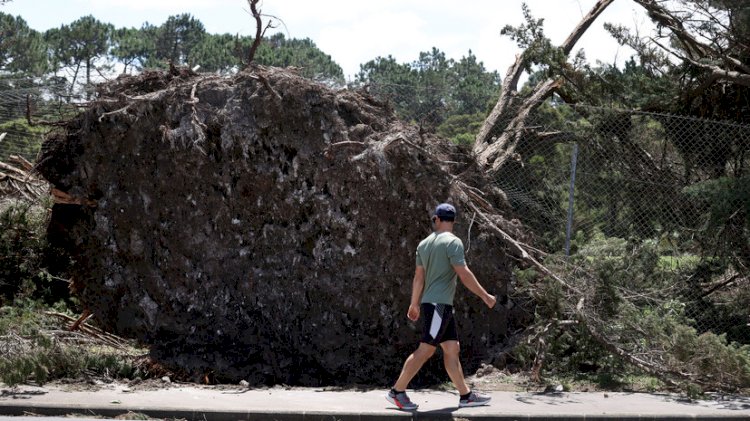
354	32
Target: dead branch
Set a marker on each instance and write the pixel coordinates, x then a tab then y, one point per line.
347	143
118	111
267	84
717	73
94	332
720	286
13	169
24	163
661	373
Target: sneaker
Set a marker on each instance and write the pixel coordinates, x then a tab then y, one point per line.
474	399
401	400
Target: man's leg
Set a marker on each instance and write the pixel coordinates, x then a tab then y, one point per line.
412	365
453	365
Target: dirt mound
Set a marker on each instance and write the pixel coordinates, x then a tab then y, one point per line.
262	226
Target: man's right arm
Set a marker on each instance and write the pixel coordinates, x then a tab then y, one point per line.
417	286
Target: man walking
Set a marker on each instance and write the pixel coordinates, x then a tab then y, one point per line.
440	259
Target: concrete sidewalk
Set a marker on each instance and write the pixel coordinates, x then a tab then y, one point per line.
226	403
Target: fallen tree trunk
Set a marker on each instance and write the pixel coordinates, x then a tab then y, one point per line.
502	129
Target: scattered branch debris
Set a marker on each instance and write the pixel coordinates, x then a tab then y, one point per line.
19	180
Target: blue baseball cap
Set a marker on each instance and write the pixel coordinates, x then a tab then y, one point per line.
445	211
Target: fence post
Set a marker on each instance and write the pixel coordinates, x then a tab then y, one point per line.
573	162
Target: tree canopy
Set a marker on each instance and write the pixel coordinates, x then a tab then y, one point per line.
82	49
435	91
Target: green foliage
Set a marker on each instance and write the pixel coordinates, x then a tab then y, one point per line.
88	45
630	294
433	88
176	39
21	248
538	49
728	198
133	46
217	53
22	49
461	128
710	356
302	53
79	44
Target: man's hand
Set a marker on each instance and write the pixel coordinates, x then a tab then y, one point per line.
490	300
413	313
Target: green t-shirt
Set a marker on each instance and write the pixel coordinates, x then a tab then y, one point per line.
437	254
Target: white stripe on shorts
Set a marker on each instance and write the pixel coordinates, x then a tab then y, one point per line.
437	320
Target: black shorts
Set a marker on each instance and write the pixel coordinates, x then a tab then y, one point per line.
438	323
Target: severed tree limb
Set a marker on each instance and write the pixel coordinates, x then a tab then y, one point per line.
509	90
497	153
717	73
22	162
64	198
13	169
84	316
20	180
693	46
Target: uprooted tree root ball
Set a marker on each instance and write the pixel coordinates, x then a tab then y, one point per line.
262	226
